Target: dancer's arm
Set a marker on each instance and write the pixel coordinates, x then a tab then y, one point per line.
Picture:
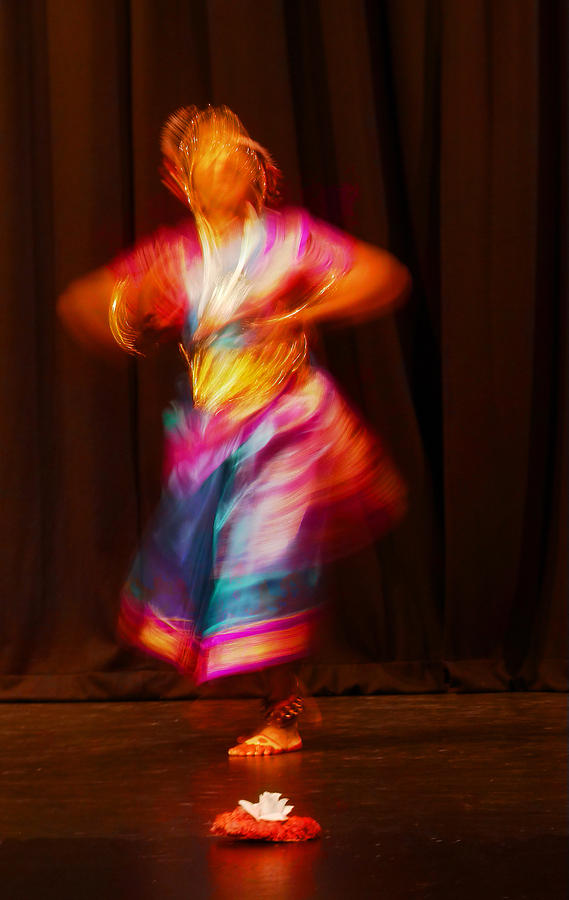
152	299
337	276
375	283
84	309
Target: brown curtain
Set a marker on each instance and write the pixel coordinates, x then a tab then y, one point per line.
437	128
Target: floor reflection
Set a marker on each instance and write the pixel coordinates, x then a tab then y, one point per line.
280	871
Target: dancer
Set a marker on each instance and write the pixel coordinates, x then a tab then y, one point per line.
268	472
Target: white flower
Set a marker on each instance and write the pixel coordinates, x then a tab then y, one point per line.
269	808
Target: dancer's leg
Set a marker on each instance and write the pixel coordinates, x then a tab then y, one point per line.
281	682
279	733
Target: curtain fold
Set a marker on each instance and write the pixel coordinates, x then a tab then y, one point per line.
435	128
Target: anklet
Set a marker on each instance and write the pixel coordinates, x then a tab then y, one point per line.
285	712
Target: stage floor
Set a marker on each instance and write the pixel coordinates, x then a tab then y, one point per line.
458	796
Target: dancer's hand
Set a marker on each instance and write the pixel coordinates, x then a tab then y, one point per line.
375	284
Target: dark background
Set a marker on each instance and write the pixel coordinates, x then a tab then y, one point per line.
436	128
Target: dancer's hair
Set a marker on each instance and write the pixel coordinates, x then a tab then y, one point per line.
190	132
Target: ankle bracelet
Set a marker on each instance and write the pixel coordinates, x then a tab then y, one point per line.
285	712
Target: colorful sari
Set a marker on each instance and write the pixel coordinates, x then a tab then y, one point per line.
268	472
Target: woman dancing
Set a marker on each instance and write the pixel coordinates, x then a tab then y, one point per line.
268	472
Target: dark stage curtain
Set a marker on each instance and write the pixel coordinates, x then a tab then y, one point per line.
437	128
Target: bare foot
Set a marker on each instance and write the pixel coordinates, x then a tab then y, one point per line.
269	741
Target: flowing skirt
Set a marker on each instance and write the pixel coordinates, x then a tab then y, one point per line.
225	579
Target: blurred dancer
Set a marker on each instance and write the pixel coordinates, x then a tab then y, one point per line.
268	472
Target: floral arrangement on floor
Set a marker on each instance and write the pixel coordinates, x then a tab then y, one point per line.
267	820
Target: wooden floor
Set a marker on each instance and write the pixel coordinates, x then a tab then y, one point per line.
460	796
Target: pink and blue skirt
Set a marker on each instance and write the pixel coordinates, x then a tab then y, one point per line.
225	579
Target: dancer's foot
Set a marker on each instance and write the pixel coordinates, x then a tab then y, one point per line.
269	741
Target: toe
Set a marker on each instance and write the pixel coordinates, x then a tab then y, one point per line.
236	751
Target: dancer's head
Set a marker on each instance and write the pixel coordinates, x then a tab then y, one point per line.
210	162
